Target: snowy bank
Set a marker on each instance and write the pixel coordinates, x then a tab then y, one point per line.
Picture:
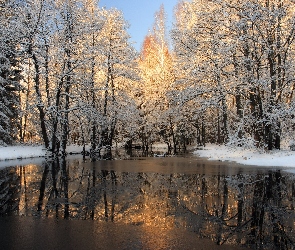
21	152
275	158
30	151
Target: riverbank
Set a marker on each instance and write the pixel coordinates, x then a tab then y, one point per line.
277	158
26	154
30	151
34	151
21	152
274	158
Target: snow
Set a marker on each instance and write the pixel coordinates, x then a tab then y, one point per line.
21	152
159	146
274	158
30	151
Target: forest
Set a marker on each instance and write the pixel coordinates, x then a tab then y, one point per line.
223	74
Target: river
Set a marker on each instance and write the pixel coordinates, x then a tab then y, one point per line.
180	202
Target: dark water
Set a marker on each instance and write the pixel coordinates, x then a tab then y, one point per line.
146	203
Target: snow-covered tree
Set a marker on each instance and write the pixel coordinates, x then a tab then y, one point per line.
235	58
156	71
200	64
9	74
117	70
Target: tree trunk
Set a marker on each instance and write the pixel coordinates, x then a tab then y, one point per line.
203	133
69	40
55	143
40	104
93	140
65	132
173	136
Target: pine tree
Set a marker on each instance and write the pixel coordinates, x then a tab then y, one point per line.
9	76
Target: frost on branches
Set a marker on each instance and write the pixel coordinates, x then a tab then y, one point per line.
70	75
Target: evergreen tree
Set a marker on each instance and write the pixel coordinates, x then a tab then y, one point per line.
9	76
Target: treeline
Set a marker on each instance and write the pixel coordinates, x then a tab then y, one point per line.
69	74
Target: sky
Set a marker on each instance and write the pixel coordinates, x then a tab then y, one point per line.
140	15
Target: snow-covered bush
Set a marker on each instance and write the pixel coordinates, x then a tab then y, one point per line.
245	142
292	145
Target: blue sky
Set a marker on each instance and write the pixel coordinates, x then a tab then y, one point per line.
140	15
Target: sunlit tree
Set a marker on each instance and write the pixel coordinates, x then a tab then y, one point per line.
156	71
236	56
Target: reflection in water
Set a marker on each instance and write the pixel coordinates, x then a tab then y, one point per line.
247	209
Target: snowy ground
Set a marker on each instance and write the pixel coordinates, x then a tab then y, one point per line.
27	154
275	158
29	151
20	152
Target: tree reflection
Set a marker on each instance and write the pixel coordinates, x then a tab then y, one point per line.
43	186
258	206
254	210
9	201
65	184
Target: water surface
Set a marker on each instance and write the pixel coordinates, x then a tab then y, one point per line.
146	203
